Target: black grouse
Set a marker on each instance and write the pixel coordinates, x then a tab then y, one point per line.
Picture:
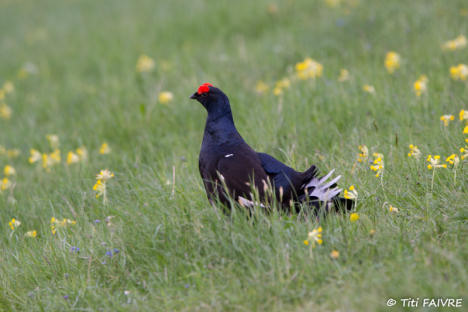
229	166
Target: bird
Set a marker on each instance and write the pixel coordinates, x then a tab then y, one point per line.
232	171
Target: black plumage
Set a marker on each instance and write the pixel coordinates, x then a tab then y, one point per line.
229	166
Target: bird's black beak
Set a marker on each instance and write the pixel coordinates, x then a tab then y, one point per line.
194	96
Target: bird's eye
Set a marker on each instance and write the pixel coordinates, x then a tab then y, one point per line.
204	94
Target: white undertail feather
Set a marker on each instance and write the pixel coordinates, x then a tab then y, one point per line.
321	187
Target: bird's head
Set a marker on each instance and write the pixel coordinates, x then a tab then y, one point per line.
213	99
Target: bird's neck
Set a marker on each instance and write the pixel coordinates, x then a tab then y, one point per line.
220	128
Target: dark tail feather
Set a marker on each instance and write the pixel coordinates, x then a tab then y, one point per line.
343	204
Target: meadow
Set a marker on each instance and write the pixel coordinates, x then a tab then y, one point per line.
351	84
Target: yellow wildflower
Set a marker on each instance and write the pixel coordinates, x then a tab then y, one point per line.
393	209
104	175
104	149
377	164
5	184
72	158
5	111
434	162
14	223
9	170
446	119
392	61
420	85
315	237
368	88
55	157
465	130
453	160
364	153
306	242
463	114
82	153
261	87
464	152
165	97
459	72
8	87
35	156
53	140
100	188
281	85
31	234
414	151
351	193
308	68
335	254
455	44
144	64
354	217
344	75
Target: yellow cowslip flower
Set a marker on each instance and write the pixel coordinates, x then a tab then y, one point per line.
455	44
281	85
377	164
453	160
144	64
53	140
54	223
392	61
364	153
335	254
104	175
14	224
464	152
35	156
308	68
446	119
393	209
354	217
72	158
463	114
261	87
99	188
465	130
434	162
8	87
306	242
5	111
368	88
55	157
5	184
414	151
31	234
420	85
314	237
9	170
351	193
459	72
344	75
104	149
165	97
82	153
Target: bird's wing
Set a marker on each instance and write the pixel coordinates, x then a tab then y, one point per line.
282	176
238	171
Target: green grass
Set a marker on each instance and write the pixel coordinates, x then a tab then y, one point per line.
177	252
